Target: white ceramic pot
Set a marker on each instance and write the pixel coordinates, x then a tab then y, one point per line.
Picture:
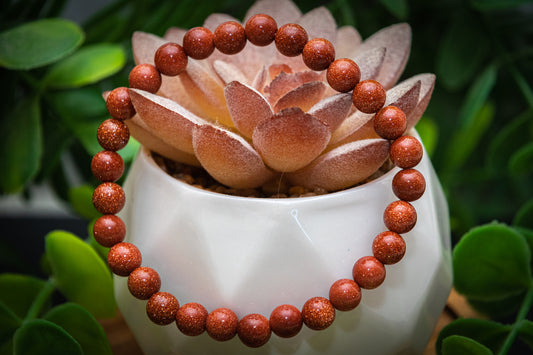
251	255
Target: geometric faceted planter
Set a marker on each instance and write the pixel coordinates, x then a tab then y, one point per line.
254	254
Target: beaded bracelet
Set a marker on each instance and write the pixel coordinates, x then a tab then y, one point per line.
343	75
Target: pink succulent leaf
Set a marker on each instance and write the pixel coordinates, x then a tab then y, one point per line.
347	41
228	72
343	166
260	79
404	96
304	96
332	110
144	45
229	158
370	62
351	124
246	106
212	21
173	88
283	11
175	35
319	23
285	81
290	140
426	89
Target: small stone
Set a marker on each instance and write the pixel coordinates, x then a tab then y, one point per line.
143	282
290	39
113	135
123	258
107	166
191	319
198	43
162	307
109	198
369	96
368	272
399	217
318	54
261	29
343	74
390	122
408	185
254	330
345	294
170	59
388	247
229	37
109	230
145	77
318	313
119	104
221	324
286	321
406	152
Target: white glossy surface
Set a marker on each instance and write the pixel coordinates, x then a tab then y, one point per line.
252	255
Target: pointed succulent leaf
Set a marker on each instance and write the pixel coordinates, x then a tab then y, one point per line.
285	81
175	35
283	11
144	45
347	41
370	62
212	21
332	110
319	23
260	79
228	72
353	123
427	83
304	96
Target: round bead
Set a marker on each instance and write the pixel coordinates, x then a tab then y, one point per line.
198	43
191	318
145	77
406	152
254	330
162	307
119	104
345	294
408	184
109	198
143	282
229	37
286	321
107	166
318	313
369	96
399	217
318	54
368	272
343	74
221	324
290	39
123	258
390	122
388	247
109	230
261	29
113	134
170	59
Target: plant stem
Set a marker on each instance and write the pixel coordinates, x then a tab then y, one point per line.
522	314
40	300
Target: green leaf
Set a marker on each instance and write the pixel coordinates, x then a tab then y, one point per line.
81	325
9	323
429	132
488	5
460	345
38	43
525	332
81	199
524	216
491	262
398	8
42	337
522	160
80	273
88	65
490	334
19	292
20	145
500	308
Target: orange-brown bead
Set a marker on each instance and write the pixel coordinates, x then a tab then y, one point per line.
123	258
390	122
408	184
198	43
170	59
162	307
191	319
343	74
109	198
229	37
369	96
145	77
261	29
318	54
406	152
399	217
318	313
368	272
388	247
143	282
254	330
113	134
286	321
109	230
107	166
119	104
345	294
221	324
290	39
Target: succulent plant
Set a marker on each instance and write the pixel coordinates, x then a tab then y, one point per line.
257	116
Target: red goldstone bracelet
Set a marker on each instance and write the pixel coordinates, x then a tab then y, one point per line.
343	75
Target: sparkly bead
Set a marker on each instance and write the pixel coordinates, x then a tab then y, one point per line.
254	330
221	324
170	59
229	37
198	43
344	294
369	96
286	321
343	74
107	166
109	230
318	54
123	258
408	184
388	247
109	198
113	134
318	313
261	29
119	104
145	77
390	122
368	272
290	39
399	217
191	318
143	282
406	152
162	307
